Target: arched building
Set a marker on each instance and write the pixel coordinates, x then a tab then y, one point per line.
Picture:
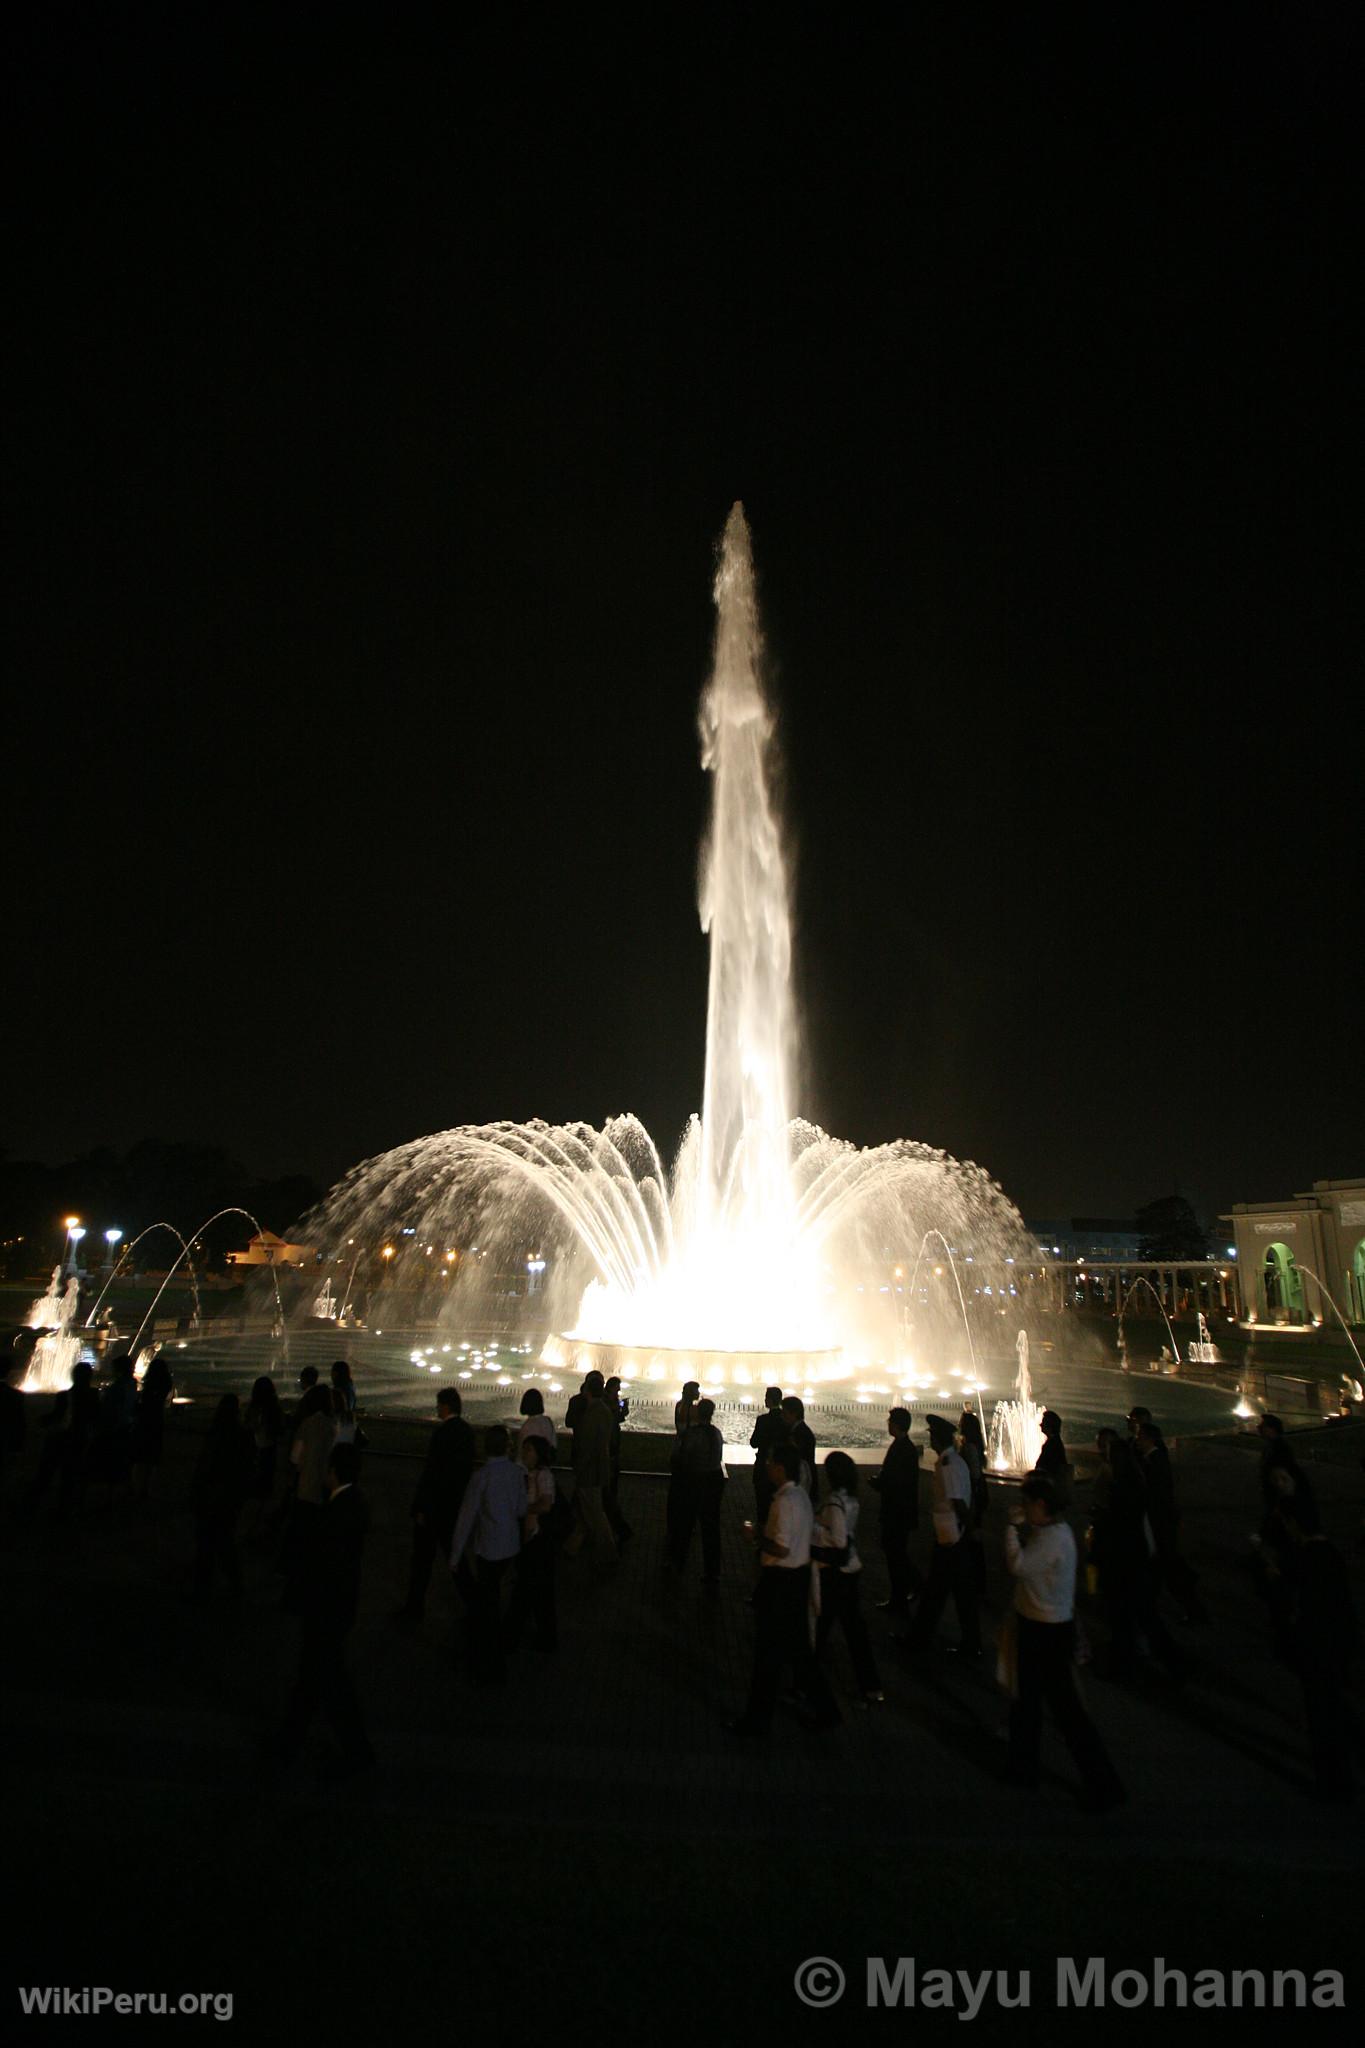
1291	1252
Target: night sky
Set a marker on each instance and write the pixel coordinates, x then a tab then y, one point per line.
374	409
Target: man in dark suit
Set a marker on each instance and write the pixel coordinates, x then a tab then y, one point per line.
898	1487
436	1503
770	1428
329	1594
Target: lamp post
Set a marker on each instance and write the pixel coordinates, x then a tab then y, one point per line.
112	1238
75	1231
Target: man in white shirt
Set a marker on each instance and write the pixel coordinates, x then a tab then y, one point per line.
490	1525
782	1603
950	1573
1042	1564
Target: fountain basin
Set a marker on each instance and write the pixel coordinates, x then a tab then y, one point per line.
675	1365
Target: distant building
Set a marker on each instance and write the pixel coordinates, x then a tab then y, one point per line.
265	1249
1077	1238
1291	1251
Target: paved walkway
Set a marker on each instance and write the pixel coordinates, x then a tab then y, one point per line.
592	1818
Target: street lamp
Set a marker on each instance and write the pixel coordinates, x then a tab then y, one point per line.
112	1238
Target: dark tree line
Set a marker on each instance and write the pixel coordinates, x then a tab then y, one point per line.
1169	1229
154	1182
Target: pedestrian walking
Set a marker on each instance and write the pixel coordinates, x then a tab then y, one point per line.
950	1573
149	1424
782	1631
1040	1555
897	1486
800	1433
701	1488
839	1574
1169	1567
770	1428
533	1590
439	1496
222	1481
592	1440
489	1528
1053	1462
329	1597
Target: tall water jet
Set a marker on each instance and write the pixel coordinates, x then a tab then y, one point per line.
739	1274
746	913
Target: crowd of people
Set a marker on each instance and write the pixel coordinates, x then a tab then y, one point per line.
498	1527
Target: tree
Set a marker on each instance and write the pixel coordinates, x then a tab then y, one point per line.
1169	1230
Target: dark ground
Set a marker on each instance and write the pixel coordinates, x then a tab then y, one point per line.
588	1852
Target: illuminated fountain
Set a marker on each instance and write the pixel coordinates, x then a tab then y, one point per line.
56	1351
747	1261
1017	1426
45	1312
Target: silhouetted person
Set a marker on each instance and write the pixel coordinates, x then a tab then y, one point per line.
701	1484
440	1494
489	1528
1053	1463
149	1426
329	1595
1317	1634
111	1453
617	1409
834	1552
1042	1563
684	1406
537	1422
577	1403
344	1403
265	1425
592	1441
897	1486
971	1444
68	1431
1276	1456
1168	1567
533	1591
1123	1560
769	1429
799	1432
782	1603
309	1457
950	1566
222	1481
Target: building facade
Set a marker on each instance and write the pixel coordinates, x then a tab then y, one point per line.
1302	1260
